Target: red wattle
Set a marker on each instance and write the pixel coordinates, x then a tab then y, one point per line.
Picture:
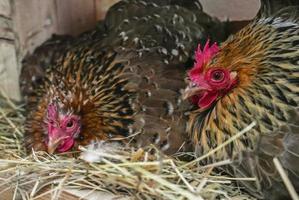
207	99
66	145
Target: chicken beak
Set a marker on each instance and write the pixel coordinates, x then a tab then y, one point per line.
190	91
53	144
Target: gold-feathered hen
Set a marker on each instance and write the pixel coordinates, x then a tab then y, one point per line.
253	76
125	82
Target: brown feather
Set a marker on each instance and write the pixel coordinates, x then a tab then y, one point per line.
127	79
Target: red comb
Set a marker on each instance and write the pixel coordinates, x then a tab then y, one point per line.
202	57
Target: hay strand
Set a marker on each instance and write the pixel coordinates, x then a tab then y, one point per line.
124	171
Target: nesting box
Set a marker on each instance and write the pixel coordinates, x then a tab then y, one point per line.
25	24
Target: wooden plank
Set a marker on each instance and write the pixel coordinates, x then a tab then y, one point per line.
8	61
9	69
75	16
6	31
102	7
231	9
34	21
5	9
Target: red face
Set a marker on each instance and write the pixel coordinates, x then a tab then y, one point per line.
62	130
207	85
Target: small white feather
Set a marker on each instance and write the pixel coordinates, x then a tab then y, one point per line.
97	151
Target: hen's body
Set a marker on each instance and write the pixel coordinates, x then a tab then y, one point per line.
128	81
265	59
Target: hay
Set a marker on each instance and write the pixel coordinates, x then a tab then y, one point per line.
125	172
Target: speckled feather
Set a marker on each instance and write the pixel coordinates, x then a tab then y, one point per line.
127	81
265	55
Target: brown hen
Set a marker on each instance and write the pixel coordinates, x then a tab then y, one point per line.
121	81
253	76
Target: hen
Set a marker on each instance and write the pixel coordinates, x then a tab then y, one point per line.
122	81
253	76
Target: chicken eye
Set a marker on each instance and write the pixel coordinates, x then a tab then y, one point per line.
217	76
70	124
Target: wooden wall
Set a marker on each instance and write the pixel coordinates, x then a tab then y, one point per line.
231	9
25	24
9	68
37	20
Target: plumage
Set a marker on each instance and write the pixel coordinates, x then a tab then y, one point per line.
34	65
123	80
262	59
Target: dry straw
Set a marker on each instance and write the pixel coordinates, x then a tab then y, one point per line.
125	171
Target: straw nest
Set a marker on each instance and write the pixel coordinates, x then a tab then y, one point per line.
121	171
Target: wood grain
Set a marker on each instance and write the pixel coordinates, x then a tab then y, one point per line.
25	24
231	9
5	9
75	16
8	59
